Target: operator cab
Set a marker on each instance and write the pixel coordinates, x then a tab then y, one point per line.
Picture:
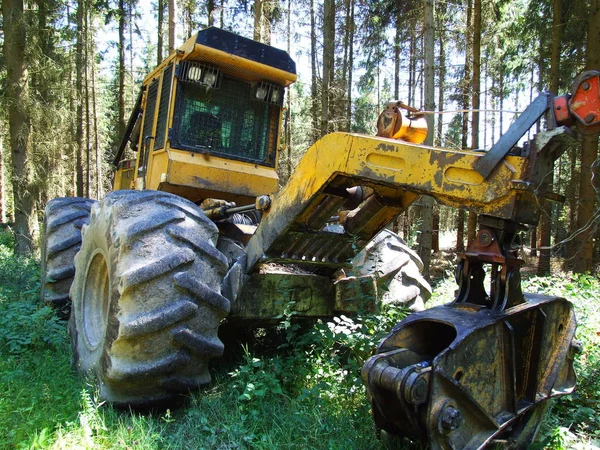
207	122
218	114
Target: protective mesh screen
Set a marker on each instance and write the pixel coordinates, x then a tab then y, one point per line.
150	108
163	107
227	121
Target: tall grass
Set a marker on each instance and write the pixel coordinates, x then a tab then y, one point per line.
301	389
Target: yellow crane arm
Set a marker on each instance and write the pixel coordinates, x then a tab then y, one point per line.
292	229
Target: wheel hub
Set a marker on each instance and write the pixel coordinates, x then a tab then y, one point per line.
96	301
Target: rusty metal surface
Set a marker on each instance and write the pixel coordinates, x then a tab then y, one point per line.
496	245
484	372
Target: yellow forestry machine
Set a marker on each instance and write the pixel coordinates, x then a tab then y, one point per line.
198	230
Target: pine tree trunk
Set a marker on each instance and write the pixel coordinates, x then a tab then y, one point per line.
258	20
288	123
589	152
71	165
99	190
441	14
533	242
485	98
501	100
475	89
538	127
412	64
313	62
460	230
87	103
344	80
188	13
132	92
397	42
397	51
2	191
47	156
121	45
160	31
476	79
172	22
210	12
435	232
460	219
79	72
328	57
350	68
546	217
19	122
572	189
222	15
267	22
427	211
441	71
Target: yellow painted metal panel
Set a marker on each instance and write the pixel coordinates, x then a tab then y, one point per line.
238	66
158	166
123	179
216	174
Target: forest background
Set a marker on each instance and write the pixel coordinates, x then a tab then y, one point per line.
70	72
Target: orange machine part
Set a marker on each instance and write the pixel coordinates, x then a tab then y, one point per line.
393	123
584	103
561	111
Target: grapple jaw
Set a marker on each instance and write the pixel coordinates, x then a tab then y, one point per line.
465	376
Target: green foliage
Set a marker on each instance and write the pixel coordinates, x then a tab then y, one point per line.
255	379
577	416
25	325
7	241
304	393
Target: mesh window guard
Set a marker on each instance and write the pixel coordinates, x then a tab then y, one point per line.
226	121
163	107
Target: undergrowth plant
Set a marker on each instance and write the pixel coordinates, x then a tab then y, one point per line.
303	390
25	324
576	417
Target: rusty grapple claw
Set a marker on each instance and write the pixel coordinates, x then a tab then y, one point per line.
463	376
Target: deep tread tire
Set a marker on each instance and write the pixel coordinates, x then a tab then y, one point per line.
147	299
61	240
397	269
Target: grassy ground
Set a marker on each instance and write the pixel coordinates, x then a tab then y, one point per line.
302	392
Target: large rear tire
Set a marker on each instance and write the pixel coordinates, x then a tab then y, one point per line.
61	240
146	298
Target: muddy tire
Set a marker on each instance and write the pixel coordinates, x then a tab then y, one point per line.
61	240
147	298
397	269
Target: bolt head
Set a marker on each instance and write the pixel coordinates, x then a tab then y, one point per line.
451	418
590	118
485	238
585	86
576	347
263	202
